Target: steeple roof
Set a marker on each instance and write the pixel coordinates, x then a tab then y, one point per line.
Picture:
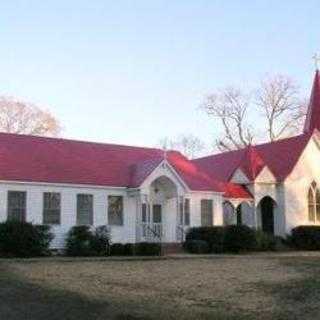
313	115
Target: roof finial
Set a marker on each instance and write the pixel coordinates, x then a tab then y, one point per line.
316	59
165	153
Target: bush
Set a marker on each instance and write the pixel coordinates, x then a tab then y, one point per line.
117	249
239	239
85	241
306	237
214	236
197	246
23	239
148	249
100	242
129	249
265	242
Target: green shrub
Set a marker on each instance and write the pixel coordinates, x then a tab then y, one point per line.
78	241
100	241
197	246
239	239
117	249
86	241
148	249
214	236
23	239
129	249
306	237
265	241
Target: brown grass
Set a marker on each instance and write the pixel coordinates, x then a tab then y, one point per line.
240	287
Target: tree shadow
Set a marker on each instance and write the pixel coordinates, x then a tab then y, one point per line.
21	299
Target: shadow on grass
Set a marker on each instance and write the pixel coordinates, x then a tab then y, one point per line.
299	298
20	299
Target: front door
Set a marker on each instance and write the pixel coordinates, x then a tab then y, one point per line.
267	217
157	219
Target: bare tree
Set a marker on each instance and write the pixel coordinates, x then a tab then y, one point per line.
20	117
230	106
276	100
188	144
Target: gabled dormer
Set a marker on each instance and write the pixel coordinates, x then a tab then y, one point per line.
249	167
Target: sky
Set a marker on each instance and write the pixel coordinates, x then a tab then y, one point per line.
133	72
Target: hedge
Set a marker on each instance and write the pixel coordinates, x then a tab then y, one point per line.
23	239
231	238
213	236
305	237
88	241
140	249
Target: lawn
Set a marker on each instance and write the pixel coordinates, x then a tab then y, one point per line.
231	287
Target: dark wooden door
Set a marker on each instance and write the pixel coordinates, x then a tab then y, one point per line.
267	215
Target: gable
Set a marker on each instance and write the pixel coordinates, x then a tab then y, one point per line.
239	177
265	176
164	170
279	156
307	166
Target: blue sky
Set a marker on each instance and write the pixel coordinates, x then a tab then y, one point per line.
132	72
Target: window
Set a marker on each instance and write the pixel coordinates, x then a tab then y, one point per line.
17	205
144	212
157	216
181	210
187	212
314	203
51	208
206	212
84	209
184	211
115	210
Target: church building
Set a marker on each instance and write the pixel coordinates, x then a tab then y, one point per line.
146	194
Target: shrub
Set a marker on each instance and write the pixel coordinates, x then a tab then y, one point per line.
79	241
117	249
214	236
100	241
239	239
306	237
23	239
197	246
148	249
87	241
265	242
129	249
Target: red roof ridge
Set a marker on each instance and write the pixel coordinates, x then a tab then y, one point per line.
48	138
254	146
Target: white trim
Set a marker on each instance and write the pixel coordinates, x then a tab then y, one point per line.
207	192
164	161
241	175
67	185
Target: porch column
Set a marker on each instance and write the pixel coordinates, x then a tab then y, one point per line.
218	211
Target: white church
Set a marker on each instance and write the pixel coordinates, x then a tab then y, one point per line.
146	194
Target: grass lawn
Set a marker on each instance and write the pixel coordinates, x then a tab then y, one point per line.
239	287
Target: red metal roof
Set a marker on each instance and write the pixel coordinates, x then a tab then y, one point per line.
38	159
313	115
279	156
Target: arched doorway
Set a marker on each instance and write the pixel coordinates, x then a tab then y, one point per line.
239	214
228	213
267	215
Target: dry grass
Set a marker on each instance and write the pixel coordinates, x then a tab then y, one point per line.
242	287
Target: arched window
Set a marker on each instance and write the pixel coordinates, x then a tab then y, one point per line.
314	203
